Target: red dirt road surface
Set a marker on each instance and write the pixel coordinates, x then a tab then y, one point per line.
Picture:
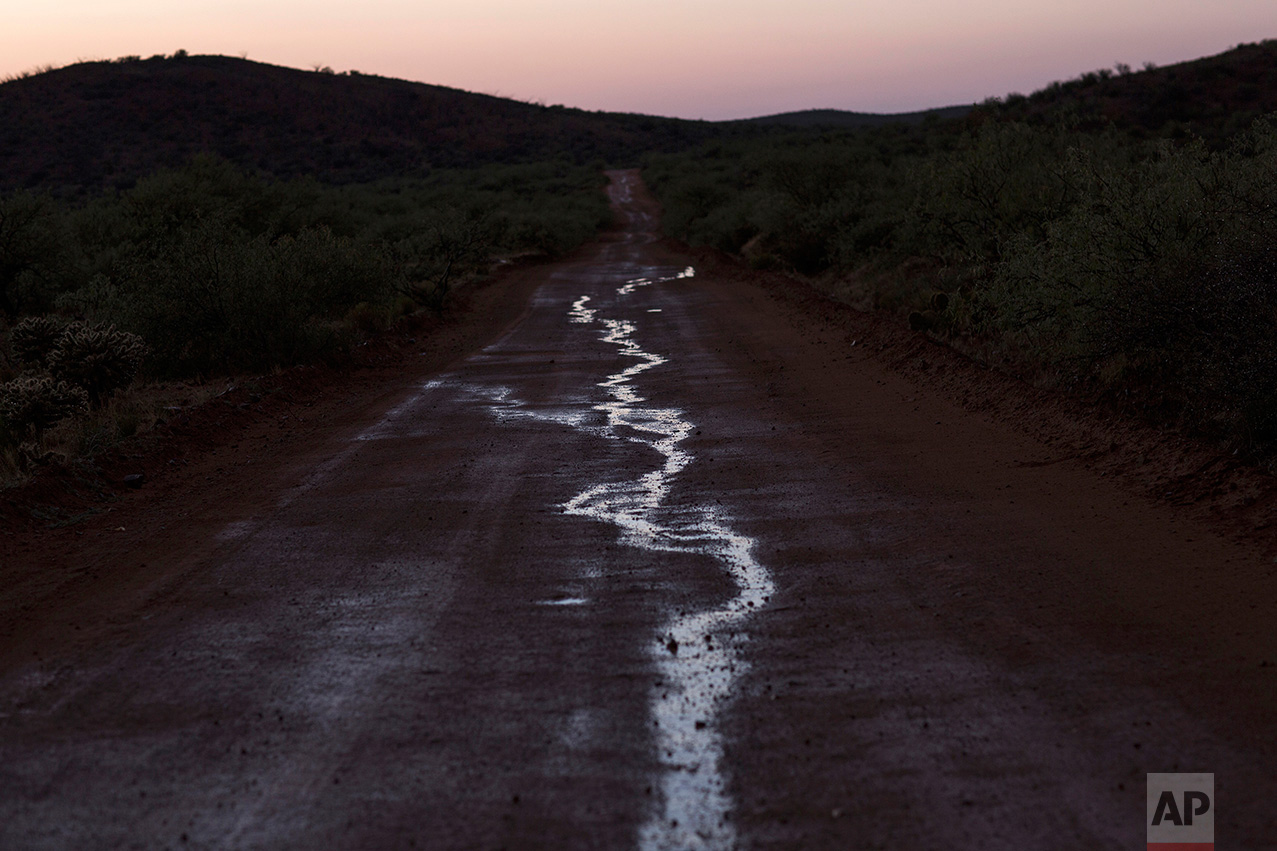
665	562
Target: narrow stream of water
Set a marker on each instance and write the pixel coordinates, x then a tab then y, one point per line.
697	652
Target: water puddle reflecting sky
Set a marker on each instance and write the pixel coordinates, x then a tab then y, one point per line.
697	652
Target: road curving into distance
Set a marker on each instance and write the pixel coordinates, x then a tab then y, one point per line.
667	565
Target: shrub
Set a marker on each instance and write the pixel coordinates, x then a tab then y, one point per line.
1142	267
367	320
98	358
32	340
443	251
1005	181
31	252
219	270
29	404
209	300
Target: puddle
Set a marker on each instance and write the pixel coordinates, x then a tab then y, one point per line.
697	653
634	283
580	313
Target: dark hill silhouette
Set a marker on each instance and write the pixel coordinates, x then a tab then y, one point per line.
1212	97
98	123
842	119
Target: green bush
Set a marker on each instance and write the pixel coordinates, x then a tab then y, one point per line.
442	251
1145	268
220	271
33	253
210	301
1001	182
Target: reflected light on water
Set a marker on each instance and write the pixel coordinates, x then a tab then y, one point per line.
697	653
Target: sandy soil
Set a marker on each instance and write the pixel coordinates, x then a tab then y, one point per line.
566	571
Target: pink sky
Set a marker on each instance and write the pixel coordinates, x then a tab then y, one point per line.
711	59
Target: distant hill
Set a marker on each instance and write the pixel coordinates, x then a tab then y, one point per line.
1212	97
97	123
837	118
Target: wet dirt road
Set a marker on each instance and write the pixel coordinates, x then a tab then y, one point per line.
658	570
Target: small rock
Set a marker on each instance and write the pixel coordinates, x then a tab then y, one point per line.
134	480
672	646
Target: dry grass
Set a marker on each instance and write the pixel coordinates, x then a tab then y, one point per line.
134	411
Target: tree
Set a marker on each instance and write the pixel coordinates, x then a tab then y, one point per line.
445	249
28	246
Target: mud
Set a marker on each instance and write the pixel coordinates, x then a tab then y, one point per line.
665	563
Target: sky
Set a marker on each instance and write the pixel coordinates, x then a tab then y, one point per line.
712	59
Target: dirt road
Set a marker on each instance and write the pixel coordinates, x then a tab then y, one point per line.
663	567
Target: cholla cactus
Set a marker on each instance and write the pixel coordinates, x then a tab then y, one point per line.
33	339
97	357
32	403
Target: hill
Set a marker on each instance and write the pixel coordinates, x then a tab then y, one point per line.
1213	97
842	119
109	123
96	124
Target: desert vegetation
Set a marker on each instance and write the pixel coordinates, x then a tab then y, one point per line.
1111	233
1083	251
208	270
